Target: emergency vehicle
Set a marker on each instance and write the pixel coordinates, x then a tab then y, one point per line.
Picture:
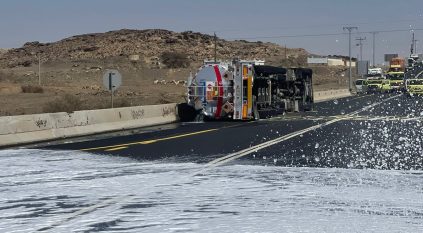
414	87
246	90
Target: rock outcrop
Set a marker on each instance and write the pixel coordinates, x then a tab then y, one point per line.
148	44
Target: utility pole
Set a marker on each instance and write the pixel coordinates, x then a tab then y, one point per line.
215	48
412	44
286	55
374	48
360	43
39	69
349	29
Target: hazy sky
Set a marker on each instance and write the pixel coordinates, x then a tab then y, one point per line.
279	21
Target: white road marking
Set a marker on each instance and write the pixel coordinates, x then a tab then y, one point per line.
82	212
254	149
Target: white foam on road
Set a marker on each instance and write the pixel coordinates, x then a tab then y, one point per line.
254	149
40	189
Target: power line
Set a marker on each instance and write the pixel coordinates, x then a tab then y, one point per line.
314	26
320	35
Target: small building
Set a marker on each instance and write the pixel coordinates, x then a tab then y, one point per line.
330	61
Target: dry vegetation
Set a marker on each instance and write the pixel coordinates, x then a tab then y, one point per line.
32	89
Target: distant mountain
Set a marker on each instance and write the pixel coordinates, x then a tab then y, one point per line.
149	45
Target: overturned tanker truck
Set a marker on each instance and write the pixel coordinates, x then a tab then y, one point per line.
246	90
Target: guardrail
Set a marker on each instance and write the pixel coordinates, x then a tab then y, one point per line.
320	96
15	130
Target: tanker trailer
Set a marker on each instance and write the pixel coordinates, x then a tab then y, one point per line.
245	90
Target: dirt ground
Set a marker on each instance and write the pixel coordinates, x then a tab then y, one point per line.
83	79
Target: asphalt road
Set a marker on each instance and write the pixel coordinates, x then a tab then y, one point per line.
381	131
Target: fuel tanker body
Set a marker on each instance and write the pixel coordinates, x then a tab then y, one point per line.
246	90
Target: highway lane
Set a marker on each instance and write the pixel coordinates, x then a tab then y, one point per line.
283	174
385	135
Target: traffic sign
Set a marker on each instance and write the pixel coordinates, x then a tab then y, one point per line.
112	80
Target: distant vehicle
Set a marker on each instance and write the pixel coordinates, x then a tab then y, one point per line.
375	73
361	86
386	86
397	64
378	86
397	80
414	87
412	61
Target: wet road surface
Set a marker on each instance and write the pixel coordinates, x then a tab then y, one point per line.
353	165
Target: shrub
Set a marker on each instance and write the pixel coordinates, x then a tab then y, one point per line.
175	60
120	103
25	63
67	103
32	89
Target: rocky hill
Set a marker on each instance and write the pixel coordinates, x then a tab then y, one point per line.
148	45
3	51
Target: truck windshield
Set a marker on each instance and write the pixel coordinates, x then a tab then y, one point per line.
359	82
415	82
374	76
374	82
396	76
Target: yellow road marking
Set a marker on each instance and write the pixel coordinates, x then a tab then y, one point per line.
148	141
117	148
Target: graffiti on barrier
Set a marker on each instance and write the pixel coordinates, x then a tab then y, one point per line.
166	111
137	114
41	123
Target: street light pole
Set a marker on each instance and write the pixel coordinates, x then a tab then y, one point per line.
374	48
349	29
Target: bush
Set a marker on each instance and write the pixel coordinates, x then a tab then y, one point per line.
67	103
120	103
32	89
175	60
25	63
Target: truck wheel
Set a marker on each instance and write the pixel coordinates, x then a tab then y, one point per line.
186	112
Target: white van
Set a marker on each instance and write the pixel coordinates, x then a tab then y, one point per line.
361	86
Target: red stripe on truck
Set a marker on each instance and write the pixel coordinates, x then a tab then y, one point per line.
220	88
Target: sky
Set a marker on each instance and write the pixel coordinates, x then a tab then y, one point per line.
316	25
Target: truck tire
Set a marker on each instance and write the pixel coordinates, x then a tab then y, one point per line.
186	112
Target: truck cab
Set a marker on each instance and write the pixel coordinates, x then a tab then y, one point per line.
396	80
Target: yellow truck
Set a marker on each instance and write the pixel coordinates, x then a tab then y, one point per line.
414	87
396	79
378	86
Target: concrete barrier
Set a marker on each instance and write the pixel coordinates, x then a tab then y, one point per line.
15	130
320	96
